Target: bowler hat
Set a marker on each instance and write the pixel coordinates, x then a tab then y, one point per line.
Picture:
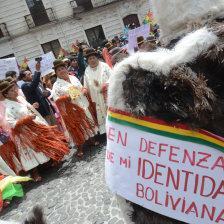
109	46
116	51
58	63
151	38
140	40
10	79
90	52
4	85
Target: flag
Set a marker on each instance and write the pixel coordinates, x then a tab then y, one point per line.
25	65
75	47
149	19
63	53
72	51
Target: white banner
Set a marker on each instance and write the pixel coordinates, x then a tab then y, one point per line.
179	179
143	30
46	64
8	64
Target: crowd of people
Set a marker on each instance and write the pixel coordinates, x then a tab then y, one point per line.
48	117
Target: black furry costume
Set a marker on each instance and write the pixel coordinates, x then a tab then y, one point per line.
192	94
37	216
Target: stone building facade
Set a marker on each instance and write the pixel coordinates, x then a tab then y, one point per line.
30	28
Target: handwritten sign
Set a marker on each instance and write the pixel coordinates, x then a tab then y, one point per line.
73	92
172	171
46	64
8	64
133	34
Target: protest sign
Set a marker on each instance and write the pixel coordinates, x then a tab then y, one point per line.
168	169
133	34
8	64
46	64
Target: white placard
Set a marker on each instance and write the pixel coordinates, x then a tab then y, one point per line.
133	34
176	178
20	83
8	64
46	64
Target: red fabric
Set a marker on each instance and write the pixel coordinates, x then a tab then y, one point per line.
70	73
41	138
2	177
106	57
104	92
79	126
8	152
92	106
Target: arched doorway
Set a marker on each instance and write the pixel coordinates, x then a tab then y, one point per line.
130	19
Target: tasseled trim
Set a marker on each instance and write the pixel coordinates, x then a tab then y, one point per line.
41	138
104	92
8	152
79	126
92	106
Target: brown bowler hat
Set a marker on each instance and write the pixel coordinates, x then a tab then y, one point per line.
109	46
150	38
4	85
58	63
90	52
10	79
140	40
116	51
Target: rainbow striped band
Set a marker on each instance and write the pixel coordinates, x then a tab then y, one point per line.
159	127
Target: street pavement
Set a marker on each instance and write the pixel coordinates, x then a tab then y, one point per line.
74	192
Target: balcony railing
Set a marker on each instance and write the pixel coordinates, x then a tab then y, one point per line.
80	6
40	18
3	30
98	3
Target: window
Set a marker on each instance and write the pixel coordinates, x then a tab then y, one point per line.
3	30
53	46
1	33
38	12
8	56
95	36
86	4
131	20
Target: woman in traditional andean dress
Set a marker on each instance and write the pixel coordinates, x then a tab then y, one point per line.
78	118
96	75
35	141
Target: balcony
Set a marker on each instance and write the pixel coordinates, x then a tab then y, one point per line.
39	18
80	6
98	3
3	30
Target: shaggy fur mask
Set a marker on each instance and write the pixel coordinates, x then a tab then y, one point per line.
184	84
